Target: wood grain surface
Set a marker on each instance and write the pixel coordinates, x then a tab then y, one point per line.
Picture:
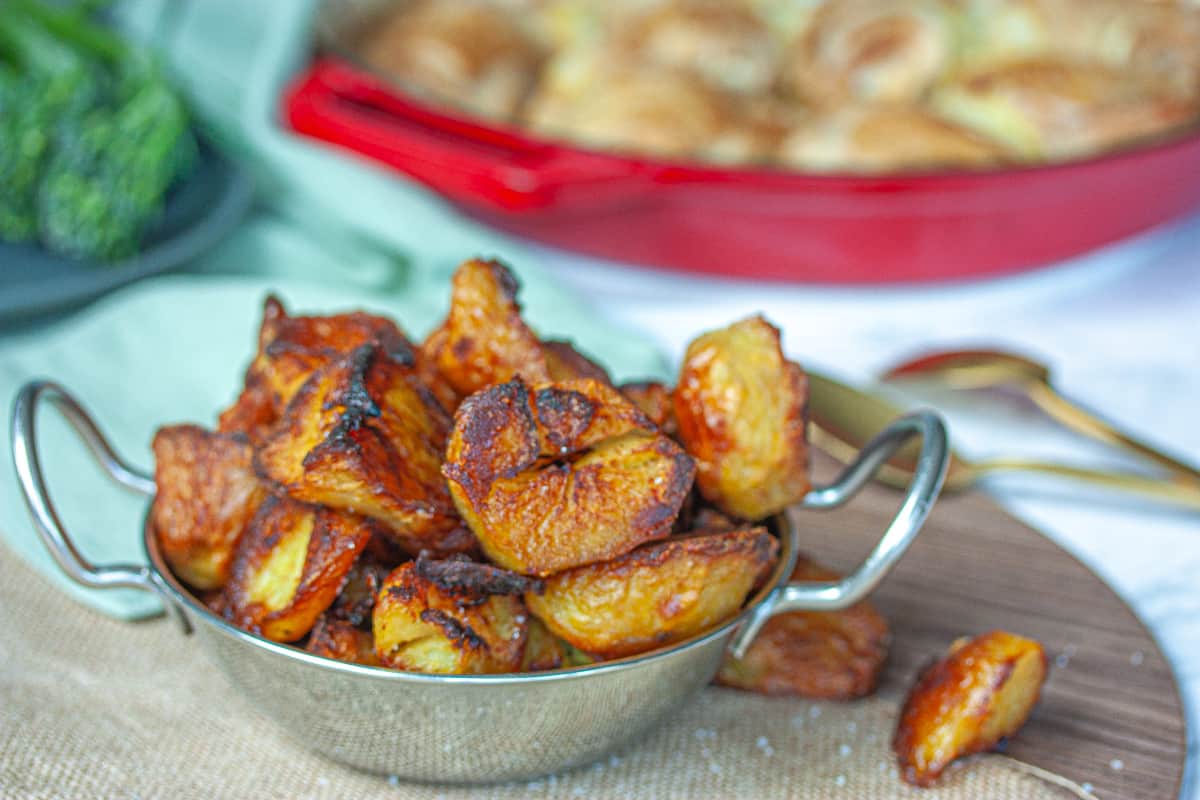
1110	714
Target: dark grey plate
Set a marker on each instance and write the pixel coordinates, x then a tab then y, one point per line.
199	211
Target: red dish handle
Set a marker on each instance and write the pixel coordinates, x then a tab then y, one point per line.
472	164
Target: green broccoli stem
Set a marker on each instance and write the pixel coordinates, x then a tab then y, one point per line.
73	27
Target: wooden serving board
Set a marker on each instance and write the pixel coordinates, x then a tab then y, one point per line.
1110	714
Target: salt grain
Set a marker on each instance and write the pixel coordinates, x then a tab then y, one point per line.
613	761
534	786
322	781
577	791
840	780
1117	764
1137	658
1062	660
394	780
714	768
844	750
852	726
814	712
1087	787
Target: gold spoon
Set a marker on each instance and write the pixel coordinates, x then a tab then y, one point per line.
842	420
989	369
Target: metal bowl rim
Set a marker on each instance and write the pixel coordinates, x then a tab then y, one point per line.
781	523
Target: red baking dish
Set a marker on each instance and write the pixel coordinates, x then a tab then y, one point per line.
752	223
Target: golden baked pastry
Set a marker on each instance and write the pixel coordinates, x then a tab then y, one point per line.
887	139
874	86
470	54
1050	108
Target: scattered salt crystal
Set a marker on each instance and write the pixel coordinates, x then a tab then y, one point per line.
613	761
322	781
768	751
852	726
577	791
1062	660
844	750
534	786
814	712
1117	764
658	480
394	780
840	780
1137	658
447	747
762	742
1087	787
704	751
883	765
714	768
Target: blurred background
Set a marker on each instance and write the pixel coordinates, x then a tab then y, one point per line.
883	180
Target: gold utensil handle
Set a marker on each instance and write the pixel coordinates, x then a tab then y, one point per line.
1184	494
1083	421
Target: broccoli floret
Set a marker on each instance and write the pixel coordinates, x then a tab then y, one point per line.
91	136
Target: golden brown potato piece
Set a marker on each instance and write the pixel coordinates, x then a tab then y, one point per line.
562	474
982	691
290	349
337	638
365	435
565	363
543	650
290	566
654	400
452	617
741	408
207	494
658	594
483	340
829	655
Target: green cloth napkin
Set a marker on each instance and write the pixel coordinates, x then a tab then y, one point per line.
332	232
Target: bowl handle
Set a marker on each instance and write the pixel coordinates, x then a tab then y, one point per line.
41	508
923	489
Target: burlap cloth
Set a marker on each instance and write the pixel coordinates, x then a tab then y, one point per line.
95	708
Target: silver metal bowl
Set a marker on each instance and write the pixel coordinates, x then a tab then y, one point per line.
474	728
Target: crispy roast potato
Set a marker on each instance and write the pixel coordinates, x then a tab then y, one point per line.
654	400
741	410
562	474
828	655
565	363
342	640
980	692
660	593
452	617
290	349
543	650
365	435
207	494
483	340
290	565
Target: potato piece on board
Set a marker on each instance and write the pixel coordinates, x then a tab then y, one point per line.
291	564
980	692
207	494
562	474
660	593
342	640
365	435
654	400
452	617
741	410
829	655
290	349
483	340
